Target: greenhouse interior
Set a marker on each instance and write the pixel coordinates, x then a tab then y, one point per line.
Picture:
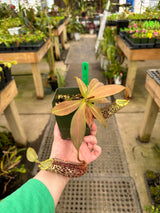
79	106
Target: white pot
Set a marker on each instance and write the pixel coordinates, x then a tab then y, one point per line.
103	62
14	30
77	36
91	31
117	79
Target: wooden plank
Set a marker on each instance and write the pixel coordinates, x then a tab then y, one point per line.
26	57
37	80
14	122
138	54
153	88
60	29
57	49
7	95
122	45
149	119
43	51
131	75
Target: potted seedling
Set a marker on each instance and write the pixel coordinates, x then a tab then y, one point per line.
5	72
79	105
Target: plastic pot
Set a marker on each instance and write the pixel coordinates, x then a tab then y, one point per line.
64	122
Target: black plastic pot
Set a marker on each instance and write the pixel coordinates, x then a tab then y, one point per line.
121	24
28	47
5	76
2	81
53	84
64	122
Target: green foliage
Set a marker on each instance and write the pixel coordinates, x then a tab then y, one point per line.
108	48
151	209
150	174
85	108
74	26
5	11
60	79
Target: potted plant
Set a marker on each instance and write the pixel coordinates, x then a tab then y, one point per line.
5	73
79	105
76	28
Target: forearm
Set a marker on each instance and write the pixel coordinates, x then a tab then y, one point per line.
54	182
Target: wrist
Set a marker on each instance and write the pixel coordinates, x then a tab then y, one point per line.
54	182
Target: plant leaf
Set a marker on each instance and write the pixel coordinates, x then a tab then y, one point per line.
78	126
82	87
46	164
89	116
97	114
66	107
102	100
31	155
94	84
106	91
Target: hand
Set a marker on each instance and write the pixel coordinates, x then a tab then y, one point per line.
65	150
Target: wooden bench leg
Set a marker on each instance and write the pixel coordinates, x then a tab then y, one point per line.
63	37
132	69
149	119
14	122
37	80
57	49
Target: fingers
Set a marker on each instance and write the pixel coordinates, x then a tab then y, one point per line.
93	129
90	139
95	153
57	134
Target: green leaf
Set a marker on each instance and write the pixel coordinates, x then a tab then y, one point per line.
31	155
8	65
14	62
106	91
78	126
82	87
122	102
66	107
46	164
97	113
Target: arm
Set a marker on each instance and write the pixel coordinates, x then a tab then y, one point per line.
64	150
41	194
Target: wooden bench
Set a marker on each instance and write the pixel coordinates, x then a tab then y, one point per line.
133	56
8	106
62	32
33	58
151	110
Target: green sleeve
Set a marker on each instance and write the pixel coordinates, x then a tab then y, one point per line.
33	196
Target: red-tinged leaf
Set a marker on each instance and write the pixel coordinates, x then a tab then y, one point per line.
78	126
97	114
82	87
106	91
102	100
89	116
66	107
94	84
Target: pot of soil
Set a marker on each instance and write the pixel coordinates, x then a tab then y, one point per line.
103	62
52	81
64	122
77	36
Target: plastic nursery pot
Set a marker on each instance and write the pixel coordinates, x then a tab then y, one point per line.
64	122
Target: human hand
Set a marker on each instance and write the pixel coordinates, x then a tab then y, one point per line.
65	150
